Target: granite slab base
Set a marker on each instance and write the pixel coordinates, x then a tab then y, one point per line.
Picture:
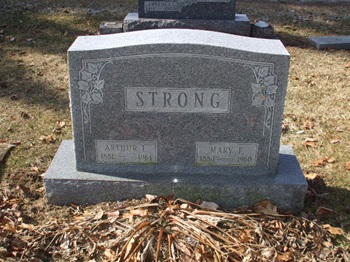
239	26
341	42
65	185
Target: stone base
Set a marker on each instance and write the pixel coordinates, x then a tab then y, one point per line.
64	184
239	26
331	42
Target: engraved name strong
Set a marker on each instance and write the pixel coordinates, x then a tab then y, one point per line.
193	100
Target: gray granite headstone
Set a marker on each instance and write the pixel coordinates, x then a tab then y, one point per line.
165	109
177	101
187	9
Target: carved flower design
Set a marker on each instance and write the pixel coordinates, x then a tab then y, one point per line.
264	89
92	91
91	87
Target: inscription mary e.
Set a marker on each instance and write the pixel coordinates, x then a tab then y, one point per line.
226	154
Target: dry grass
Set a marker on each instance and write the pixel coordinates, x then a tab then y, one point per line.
34	37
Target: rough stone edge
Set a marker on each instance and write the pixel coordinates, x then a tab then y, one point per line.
110	28
64	184
239	26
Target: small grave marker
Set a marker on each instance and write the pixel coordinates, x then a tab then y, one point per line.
331	42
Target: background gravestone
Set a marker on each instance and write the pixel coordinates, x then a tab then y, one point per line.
213	15
187	9
189	112
239	26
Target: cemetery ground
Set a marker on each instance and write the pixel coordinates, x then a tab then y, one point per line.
35	118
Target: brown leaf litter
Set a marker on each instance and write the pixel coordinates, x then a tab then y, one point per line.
166	229
347	166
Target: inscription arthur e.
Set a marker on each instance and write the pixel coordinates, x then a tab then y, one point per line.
127	152
177	100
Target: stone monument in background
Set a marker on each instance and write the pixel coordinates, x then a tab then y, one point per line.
213	15
188	9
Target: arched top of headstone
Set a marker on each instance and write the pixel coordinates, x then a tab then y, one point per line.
179	36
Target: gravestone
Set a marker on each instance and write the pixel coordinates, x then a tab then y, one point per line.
213	15
187	9
187	112
239	26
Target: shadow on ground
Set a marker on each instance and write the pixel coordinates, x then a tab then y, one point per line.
33	36
319	202
31	90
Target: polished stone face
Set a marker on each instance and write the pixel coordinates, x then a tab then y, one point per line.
177	101
192	113
188	9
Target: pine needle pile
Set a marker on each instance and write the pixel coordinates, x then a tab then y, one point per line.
167	229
